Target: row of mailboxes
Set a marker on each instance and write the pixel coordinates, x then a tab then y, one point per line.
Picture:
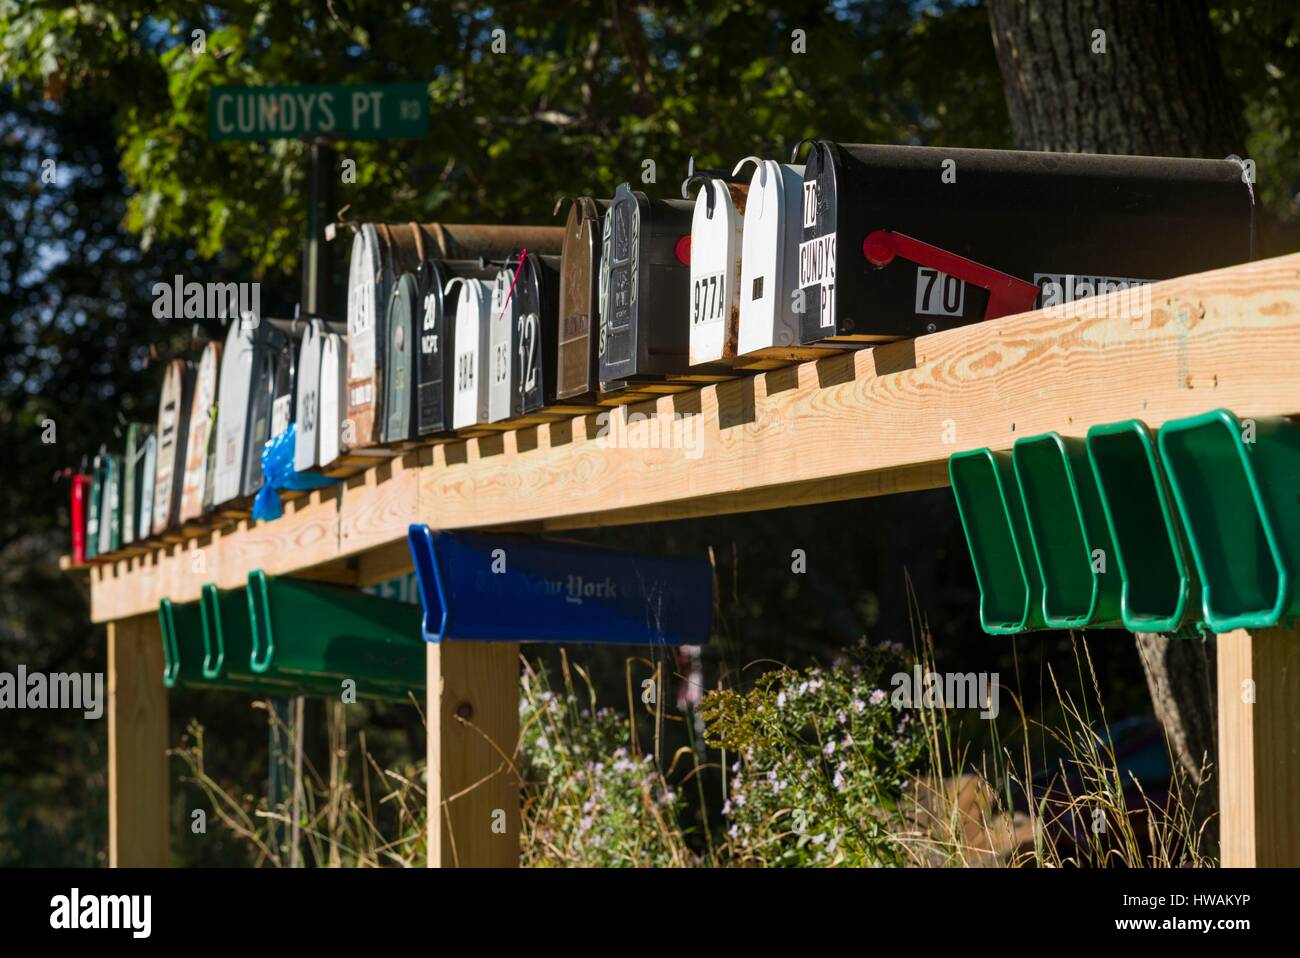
460	330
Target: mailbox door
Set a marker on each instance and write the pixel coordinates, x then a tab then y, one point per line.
715	271
645	288
333	395
533	356
577	371
368	289
148	485
260	403
473	300
770	258
306	443
402	310
178	384
197	433
431	308
110	518
494	390
134	460
232	411
95	506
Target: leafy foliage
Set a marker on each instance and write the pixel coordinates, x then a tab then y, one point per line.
823	762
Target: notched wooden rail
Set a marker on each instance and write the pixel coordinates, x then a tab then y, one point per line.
864	423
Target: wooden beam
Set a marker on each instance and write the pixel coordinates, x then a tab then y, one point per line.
872	422
474	789
1259	748
139	782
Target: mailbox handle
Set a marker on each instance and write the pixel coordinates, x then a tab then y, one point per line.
1008	295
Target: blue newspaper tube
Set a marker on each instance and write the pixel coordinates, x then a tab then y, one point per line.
481	587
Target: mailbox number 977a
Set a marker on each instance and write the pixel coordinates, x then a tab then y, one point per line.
938	294
706	299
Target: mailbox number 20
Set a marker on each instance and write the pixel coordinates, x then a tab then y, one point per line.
938	294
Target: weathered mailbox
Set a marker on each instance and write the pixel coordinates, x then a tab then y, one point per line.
148	470
234	389
434	323
512	588
903	240
78	507
380	254
644	289
132	480
399	364
200	433
110	516
270	398
715	264
173	407
98	474
577	365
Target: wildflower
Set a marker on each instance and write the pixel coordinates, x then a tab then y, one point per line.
733	832
726	810
877	697
828	748
838	781
848	740
780	699
842	716
858	705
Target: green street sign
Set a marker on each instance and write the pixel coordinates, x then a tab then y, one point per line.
349	111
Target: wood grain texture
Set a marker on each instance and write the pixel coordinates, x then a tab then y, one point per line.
139	785
870	422
473	785
1259	748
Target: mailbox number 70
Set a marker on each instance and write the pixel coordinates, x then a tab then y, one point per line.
938	294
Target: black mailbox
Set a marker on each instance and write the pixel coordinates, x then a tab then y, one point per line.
903	240
270	397
534	357
433	322
644	291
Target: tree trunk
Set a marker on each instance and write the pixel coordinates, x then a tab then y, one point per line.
1158	89
1138	77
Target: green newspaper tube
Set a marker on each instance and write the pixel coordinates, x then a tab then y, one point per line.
1159	587
322	635
993	517
1237	486
1067	527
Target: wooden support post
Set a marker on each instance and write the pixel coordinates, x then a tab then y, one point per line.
473	718
139	799
1259	748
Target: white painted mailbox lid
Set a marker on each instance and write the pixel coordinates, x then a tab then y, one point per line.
769	262
494	391
200	430
471	323
306	441
715	274
333	382
232	411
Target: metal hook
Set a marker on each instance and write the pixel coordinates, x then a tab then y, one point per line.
794	154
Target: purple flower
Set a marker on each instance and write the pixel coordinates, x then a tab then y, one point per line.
877	697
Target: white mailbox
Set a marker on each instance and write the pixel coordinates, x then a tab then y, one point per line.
715	268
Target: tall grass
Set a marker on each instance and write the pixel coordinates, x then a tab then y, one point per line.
818	770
